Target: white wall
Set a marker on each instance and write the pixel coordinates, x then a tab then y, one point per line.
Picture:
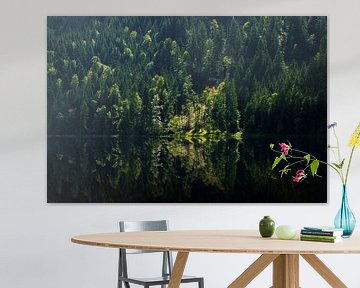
35	248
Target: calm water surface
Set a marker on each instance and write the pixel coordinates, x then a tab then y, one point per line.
145	170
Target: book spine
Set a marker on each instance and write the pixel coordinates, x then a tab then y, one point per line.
319	236
320	233
318	239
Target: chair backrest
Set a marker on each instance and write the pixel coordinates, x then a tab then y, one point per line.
134	226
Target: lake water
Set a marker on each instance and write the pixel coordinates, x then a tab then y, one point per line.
146	170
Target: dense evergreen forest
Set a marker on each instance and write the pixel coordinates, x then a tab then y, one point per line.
186	75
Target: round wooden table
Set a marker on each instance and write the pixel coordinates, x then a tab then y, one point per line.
284	254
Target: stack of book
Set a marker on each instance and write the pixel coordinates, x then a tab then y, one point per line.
321	234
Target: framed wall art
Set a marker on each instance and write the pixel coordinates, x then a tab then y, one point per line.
172	109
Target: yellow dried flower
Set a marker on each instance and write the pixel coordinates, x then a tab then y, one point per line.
355	137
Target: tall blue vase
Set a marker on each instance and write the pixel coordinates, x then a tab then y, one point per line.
345	219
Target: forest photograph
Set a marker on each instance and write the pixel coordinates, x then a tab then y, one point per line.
182	109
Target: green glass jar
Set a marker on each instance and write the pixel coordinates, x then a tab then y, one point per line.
266	227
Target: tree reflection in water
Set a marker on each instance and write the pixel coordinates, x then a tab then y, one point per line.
161	170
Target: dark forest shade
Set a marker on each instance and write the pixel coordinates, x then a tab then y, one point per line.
182	109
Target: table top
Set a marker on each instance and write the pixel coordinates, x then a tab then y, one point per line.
217	241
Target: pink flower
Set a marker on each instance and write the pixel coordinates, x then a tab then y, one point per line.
284	148
300	175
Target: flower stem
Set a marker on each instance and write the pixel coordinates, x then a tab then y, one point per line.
339	160
322	162
350	159
333	152
348	166
336	169
337	143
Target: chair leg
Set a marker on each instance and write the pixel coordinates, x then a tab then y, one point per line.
201	283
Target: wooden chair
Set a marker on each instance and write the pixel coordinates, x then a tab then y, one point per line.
167	262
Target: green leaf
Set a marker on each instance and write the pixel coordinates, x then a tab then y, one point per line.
277	160
307	157
271	146
336	165
314	167
342	163
339	166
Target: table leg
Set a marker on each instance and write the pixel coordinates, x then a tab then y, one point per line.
253	270
286	271
324	271
178	270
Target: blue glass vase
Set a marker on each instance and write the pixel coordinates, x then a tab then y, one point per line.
345	219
